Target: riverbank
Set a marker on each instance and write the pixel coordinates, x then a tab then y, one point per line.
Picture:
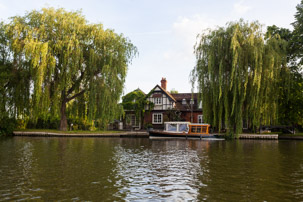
81	134
138	134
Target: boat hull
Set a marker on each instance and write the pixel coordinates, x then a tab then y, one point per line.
165	135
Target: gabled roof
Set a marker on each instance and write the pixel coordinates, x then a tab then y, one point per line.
164	91
138	89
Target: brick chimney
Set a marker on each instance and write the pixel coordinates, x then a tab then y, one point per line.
163	83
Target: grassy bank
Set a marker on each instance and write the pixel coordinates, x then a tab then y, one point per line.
70	132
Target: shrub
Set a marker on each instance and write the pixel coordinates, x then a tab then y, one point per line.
7	126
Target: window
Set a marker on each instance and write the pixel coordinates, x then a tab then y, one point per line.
157	118
200	105
183	127
200	118
158	101
192	102
172	127
132	120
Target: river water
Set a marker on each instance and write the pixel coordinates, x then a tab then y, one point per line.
135	169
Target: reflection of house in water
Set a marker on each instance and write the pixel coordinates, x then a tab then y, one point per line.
167	107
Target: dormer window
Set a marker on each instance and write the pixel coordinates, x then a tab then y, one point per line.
192	102
184	101
158	101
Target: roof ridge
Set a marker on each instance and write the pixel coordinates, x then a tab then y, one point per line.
172	97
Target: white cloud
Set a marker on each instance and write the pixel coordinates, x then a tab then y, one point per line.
240	8
2	6
184	37
187	28
177	61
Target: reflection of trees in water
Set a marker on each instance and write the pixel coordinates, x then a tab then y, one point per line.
25	161
254	170
167	170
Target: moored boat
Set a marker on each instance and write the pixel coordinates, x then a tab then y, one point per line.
183	130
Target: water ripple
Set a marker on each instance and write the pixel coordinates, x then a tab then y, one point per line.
172	174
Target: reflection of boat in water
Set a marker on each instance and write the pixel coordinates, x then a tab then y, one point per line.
184	130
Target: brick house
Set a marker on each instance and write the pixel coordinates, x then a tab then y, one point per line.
172	107
166	107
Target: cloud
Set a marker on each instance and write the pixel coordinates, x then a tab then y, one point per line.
184	36
187	28
240	8
2	6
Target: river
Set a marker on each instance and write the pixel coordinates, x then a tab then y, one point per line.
136	169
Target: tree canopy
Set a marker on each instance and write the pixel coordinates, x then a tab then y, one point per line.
64	61
237	71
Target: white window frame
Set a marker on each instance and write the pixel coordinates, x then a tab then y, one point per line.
200	117
157	117
158	101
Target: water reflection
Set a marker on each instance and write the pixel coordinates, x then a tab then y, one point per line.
113	169
168	170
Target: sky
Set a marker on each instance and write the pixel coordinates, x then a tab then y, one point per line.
164	31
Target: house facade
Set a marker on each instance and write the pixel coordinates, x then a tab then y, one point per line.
165	107
171	107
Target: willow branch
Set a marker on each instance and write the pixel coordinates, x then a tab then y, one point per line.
76	95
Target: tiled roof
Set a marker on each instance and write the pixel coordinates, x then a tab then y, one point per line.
187	96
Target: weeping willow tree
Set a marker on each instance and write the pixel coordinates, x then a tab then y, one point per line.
237	71
14	81
70	62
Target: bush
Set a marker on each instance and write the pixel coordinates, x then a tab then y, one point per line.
48	123
7	126
148	125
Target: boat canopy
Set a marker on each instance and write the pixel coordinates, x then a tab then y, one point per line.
176	127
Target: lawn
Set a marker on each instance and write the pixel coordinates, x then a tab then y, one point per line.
70	132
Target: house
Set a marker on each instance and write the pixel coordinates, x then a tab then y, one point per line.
165	107
171	107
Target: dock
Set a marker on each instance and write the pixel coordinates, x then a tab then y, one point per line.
259	136
138	134
133	134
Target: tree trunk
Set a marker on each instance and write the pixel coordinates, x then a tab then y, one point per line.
63	122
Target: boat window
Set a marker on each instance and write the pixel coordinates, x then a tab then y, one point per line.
172	127
193	129
198	129
183	128
204	129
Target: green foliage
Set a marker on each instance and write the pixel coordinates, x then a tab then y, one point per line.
135	101
148	126
173	91
7	126
297	39
291	97
237	72
173	115
60	61
291	78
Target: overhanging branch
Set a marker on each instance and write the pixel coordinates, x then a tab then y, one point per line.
76	95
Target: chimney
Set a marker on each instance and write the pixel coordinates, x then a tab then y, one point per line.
163	83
